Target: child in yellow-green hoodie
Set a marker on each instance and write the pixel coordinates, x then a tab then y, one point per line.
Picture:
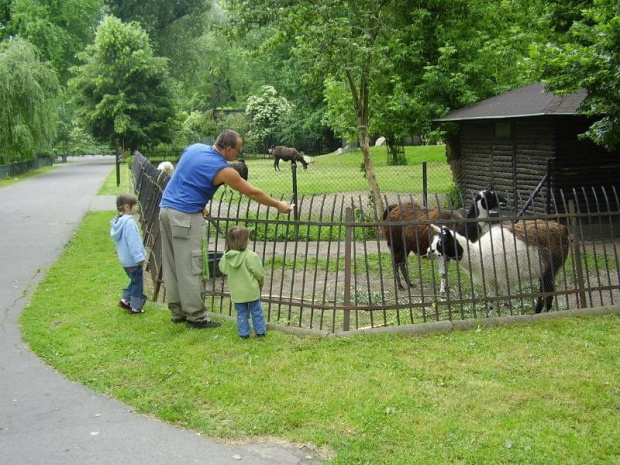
245	281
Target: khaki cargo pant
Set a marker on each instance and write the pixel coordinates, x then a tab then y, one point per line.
181	250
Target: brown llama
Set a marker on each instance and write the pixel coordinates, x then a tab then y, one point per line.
280	152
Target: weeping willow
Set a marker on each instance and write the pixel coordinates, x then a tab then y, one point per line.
29	99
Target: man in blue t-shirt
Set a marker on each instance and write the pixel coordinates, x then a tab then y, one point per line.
201	170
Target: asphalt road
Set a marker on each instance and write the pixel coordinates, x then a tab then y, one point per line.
45	418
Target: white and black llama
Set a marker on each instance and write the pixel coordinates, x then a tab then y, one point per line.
508	257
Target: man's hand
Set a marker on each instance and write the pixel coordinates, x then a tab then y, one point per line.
284	207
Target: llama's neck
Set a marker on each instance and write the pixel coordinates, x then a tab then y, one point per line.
470	229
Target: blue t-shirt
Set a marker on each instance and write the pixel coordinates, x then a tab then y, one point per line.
191	186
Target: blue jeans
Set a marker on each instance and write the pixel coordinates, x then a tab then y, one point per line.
243	312
134	293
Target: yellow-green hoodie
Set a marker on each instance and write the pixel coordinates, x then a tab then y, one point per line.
245	275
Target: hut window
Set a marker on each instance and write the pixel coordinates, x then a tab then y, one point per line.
502	130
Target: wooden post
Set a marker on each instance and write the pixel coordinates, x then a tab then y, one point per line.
346	324
424	185
294	171
118	163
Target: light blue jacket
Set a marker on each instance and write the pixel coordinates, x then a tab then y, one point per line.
128	241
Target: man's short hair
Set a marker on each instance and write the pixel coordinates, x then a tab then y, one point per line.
227	138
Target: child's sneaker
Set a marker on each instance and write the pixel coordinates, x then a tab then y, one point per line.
135	311
124	305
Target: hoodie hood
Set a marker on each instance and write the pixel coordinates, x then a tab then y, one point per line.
128	241
118	223
235	258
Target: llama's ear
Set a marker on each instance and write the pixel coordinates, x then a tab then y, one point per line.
436	228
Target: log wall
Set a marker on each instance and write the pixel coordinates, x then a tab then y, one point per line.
517	162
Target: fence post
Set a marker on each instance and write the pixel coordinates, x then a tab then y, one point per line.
424	185
581	294
548	200
118	163
346	322
294	171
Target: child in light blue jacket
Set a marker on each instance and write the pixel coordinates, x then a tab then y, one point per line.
131	252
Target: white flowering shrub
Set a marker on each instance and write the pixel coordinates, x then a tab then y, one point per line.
266	111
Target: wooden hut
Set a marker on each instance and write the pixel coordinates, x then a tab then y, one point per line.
515	139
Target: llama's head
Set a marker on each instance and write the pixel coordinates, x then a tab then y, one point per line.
445	244
487	201
166	167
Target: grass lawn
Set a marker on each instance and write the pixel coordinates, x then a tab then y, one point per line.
547	393
335	173
109	185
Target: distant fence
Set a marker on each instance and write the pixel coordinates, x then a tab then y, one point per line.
325	174
15	169
331	269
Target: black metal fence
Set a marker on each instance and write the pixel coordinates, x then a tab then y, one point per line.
331	270
15	169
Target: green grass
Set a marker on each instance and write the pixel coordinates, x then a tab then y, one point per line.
109	185
30	174
335	173
546	393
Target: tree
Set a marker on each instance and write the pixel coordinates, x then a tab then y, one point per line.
170	24
584	52
59	30
29	101
122	91
341	37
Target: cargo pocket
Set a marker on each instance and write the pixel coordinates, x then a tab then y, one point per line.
180	227
197	262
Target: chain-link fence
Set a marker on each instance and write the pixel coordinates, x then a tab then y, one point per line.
332	270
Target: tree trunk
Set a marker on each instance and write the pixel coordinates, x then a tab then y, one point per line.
360	100
364	140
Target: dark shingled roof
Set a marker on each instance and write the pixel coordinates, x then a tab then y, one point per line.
530	100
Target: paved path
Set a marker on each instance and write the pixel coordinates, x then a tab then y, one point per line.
46	419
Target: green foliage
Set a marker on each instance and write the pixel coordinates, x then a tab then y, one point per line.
585	53
165	21
59	29
454	199
122	91
29	100
340	114
194	127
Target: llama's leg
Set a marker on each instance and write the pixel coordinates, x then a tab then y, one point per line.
493	307
443	273
276	165
547	284
396	267
402	263
403	269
